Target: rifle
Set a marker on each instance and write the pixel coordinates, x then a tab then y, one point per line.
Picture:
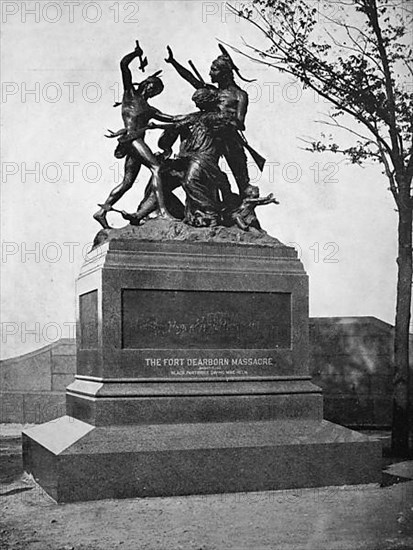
258	159
197	74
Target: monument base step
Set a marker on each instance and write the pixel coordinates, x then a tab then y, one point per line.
75	461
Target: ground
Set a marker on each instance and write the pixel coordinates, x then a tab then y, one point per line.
358	517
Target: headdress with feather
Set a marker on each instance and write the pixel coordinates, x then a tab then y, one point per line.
231	63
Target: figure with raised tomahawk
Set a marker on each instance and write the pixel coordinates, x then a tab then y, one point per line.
136	113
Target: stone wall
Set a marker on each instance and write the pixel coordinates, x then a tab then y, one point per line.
351	359
32	386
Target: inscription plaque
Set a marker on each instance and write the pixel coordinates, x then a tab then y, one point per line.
186	319
88	314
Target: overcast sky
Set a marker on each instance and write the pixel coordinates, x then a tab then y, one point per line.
60	73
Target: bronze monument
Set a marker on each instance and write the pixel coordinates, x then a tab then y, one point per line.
213	132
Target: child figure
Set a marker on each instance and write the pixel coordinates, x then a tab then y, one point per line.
244	216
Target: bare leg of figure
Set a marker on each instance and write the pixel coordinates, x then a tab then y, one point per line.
149	203
147	206
132	167
149	160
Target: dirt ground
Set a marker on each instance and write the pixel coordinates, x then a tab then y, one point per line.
331	518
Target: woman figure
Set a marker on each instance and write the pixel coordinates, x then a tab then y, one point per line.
136	113
200	149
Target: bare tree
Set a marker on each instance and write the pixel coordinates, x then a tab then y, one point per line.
361	60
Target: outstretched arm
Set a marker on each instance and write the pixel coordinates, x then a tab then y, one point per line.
153	126
124	66
163	117
258	201
182	71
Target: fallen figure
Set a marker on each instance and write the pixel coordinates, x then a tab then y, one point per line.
244	216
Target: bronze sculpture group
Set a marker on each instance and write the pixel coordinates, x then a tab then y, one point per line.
206	135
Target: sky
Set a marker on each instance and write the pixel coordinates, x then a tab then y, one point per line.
60	78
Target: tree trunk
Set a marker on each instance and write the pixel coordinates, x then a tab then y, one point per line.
401	398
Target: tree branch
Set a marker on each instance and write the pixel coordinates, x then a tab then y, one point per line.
337	125
316	88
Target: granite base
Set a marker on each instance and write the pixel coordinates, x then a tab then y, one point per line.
192	375
75	461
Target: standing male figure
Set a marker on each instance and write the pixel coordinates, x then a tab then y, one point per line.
233	102
136	113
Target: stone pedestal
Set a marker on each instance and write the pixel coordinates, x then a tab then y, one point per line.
192	377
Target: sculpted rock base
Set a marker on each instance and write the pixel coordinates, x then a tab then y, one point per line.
158	229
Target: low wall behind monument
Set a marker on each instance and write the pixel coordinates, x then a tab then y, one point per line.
350	359
32	386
